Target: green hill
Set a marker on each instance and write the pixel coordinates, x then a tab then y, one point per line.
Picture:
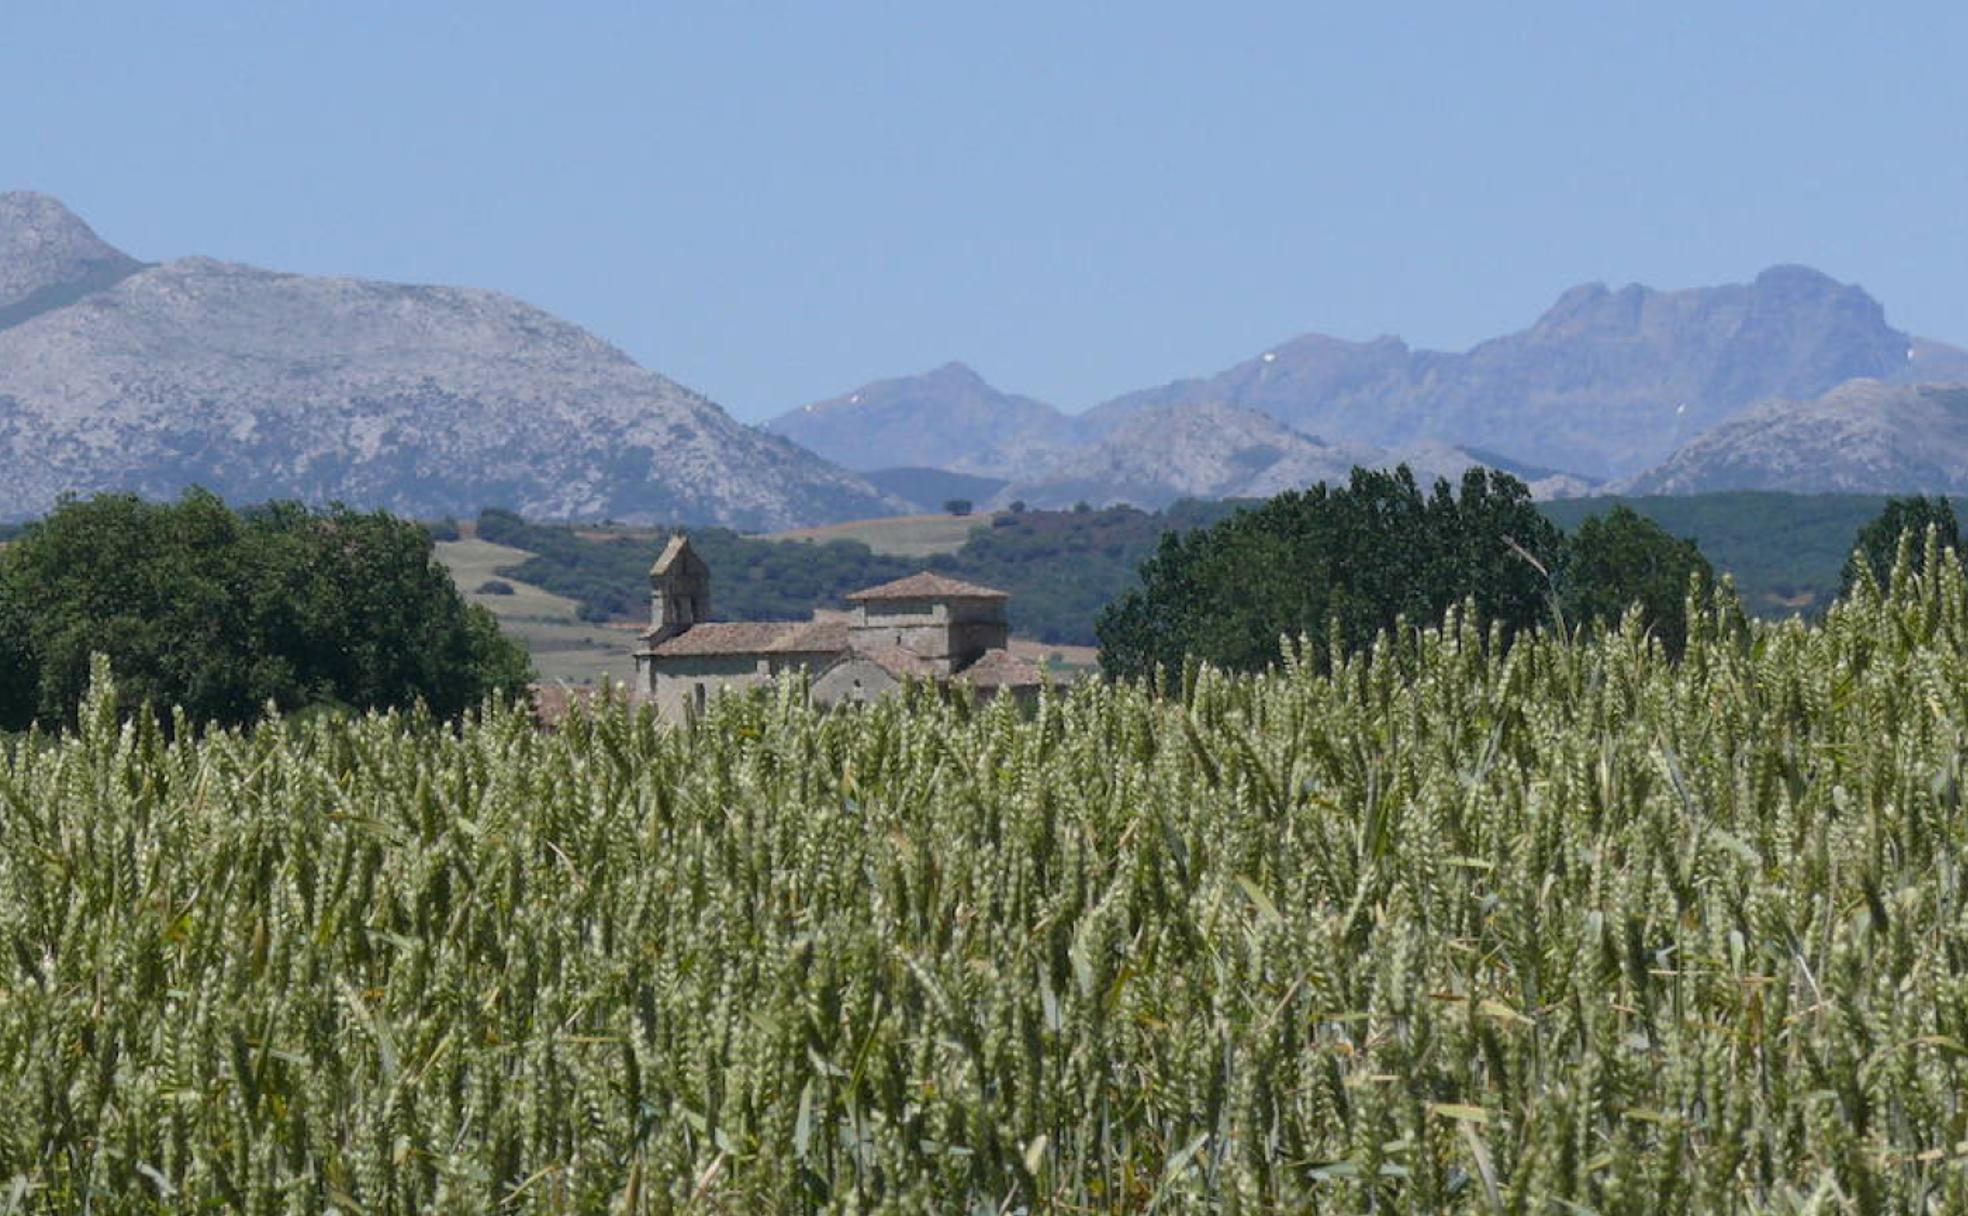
1785	550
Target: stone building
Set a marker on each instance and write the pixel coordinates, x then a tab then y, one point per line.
924	626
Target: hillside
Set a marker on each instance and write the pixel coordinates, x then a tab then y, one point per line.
928	489
949	418
1605	383
1784	551
563	646
1862	437
1158	455
425	400
1060	567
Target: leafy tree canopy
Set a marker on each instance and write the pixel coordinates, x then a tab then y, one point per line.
1878	543
1337	566
1621	559
222	612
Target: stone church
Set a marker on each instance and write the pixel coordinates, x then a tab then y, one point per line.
924	626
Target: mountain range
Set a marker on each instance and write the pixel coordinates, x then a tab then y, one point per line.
119	375
1607	387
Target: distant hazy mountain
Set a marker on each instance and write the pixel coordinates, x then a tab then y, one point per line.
928	489
426	400
1159	454
1862	437
1605	383
945	419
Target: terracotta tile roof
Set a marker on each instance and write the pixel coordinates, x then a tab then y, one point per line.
756	637
927	586
1001	669
553	702
727	637
814	637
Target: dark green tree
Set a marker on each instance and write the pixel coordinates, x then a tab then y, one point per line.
1338	566
222	613
1878	543
1620	559
19	676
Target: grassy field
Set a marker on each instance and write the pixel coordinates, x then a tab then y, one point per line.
1569	929
564	647
899	535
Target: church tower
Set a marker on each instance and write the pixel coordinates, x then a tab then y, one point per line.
679	591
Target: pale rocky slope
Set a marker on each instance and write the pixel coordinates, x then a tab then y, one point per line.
1862	437
424	400
1159	454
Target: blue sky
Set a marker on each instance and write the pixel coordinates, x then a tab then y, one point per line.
775	202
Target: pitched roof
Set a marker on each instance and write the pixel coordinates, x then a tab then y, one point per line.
928	586
726	637
1001	669
814	637
553	702
756	637
678	550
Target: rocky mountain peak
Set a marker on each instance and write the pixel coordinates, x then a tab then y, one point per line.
956	372
946	418
427	400
1605	383
46	249
1798	281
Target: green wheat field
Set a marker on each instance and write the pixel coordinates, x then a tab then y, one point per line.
1568	929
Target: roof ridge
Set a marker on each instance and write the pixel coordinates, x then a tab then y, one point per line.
927	584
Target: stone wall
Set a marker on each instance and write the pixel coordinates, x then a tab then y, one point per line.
850	680
684	683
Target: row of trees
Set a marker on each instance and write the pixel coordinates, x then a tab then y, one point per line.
225	612
1341	565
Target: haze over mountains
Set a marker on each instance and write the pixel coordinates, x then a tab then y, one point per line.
116	374
1864	436
425	400
948	418
1606	385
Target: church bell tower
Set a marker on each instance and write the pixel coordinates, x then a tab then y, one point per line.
679	591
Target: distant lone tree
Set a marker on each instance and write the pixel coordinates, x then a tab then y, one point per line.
956	506
1353	559
224	612
1877	545
1621	559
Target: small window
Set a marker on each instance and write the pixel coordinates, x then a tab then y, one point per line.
702	696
